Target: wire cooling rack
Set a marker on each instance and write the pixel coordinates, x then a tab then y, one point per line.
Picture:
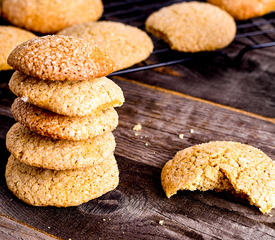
252	34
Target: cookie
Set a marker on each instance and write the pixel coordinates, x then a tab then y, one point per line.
195	168
58	126
69	98
252	174
44	187
60	58
248	170
245	9
125	44
192	26
38	151
10	37
49	16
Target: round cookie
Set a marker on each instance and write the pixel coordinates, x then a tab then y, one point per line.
10	37
245	9
125	44
58	126
44	187
192	26
38	151
60	58
50	16
245	169
69	98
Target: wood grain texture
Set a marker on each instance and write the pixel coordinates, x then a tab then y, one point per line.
134	209
249	86
13	230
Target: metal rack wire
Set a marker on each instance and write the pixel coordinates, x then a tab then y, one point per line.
252	34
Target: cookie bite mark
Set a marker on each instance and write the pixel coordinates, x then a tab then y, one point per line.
223	166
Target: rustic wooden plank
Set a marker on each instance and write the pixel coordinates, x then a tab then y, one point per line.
164	116
13	230
249	86
134	209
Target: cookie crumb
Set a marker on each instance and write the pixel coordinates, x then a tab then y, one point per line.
69	239
146	144
136	134
24	99
181	136
192	130
137	127
103	219
49	227
161	222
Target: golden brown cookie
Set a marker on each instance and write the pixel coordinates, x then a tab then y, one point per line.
69	98
195	168
248	170
58	126
44	187
50	16
125	44
245	9
192	26
38	151
10	37
252	174
60	58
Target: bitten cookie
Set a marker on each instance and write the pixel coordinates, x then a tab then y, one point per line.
43	187
38	151
60	58
192	26
126	45
195	168
10	37
248	170
245	9
252	174
49	16
69	98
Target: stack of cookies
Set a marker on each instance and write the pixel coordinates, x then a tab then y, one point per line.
62	149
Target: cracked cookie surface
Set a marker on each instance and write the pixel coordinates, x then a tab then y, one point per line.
222	165
125	44
245	9
50	16
58	126
69	98
38	151
10	37
192	26
44	187
60	58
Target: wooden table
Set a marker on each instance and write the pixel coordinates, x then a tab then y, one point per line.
216	98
